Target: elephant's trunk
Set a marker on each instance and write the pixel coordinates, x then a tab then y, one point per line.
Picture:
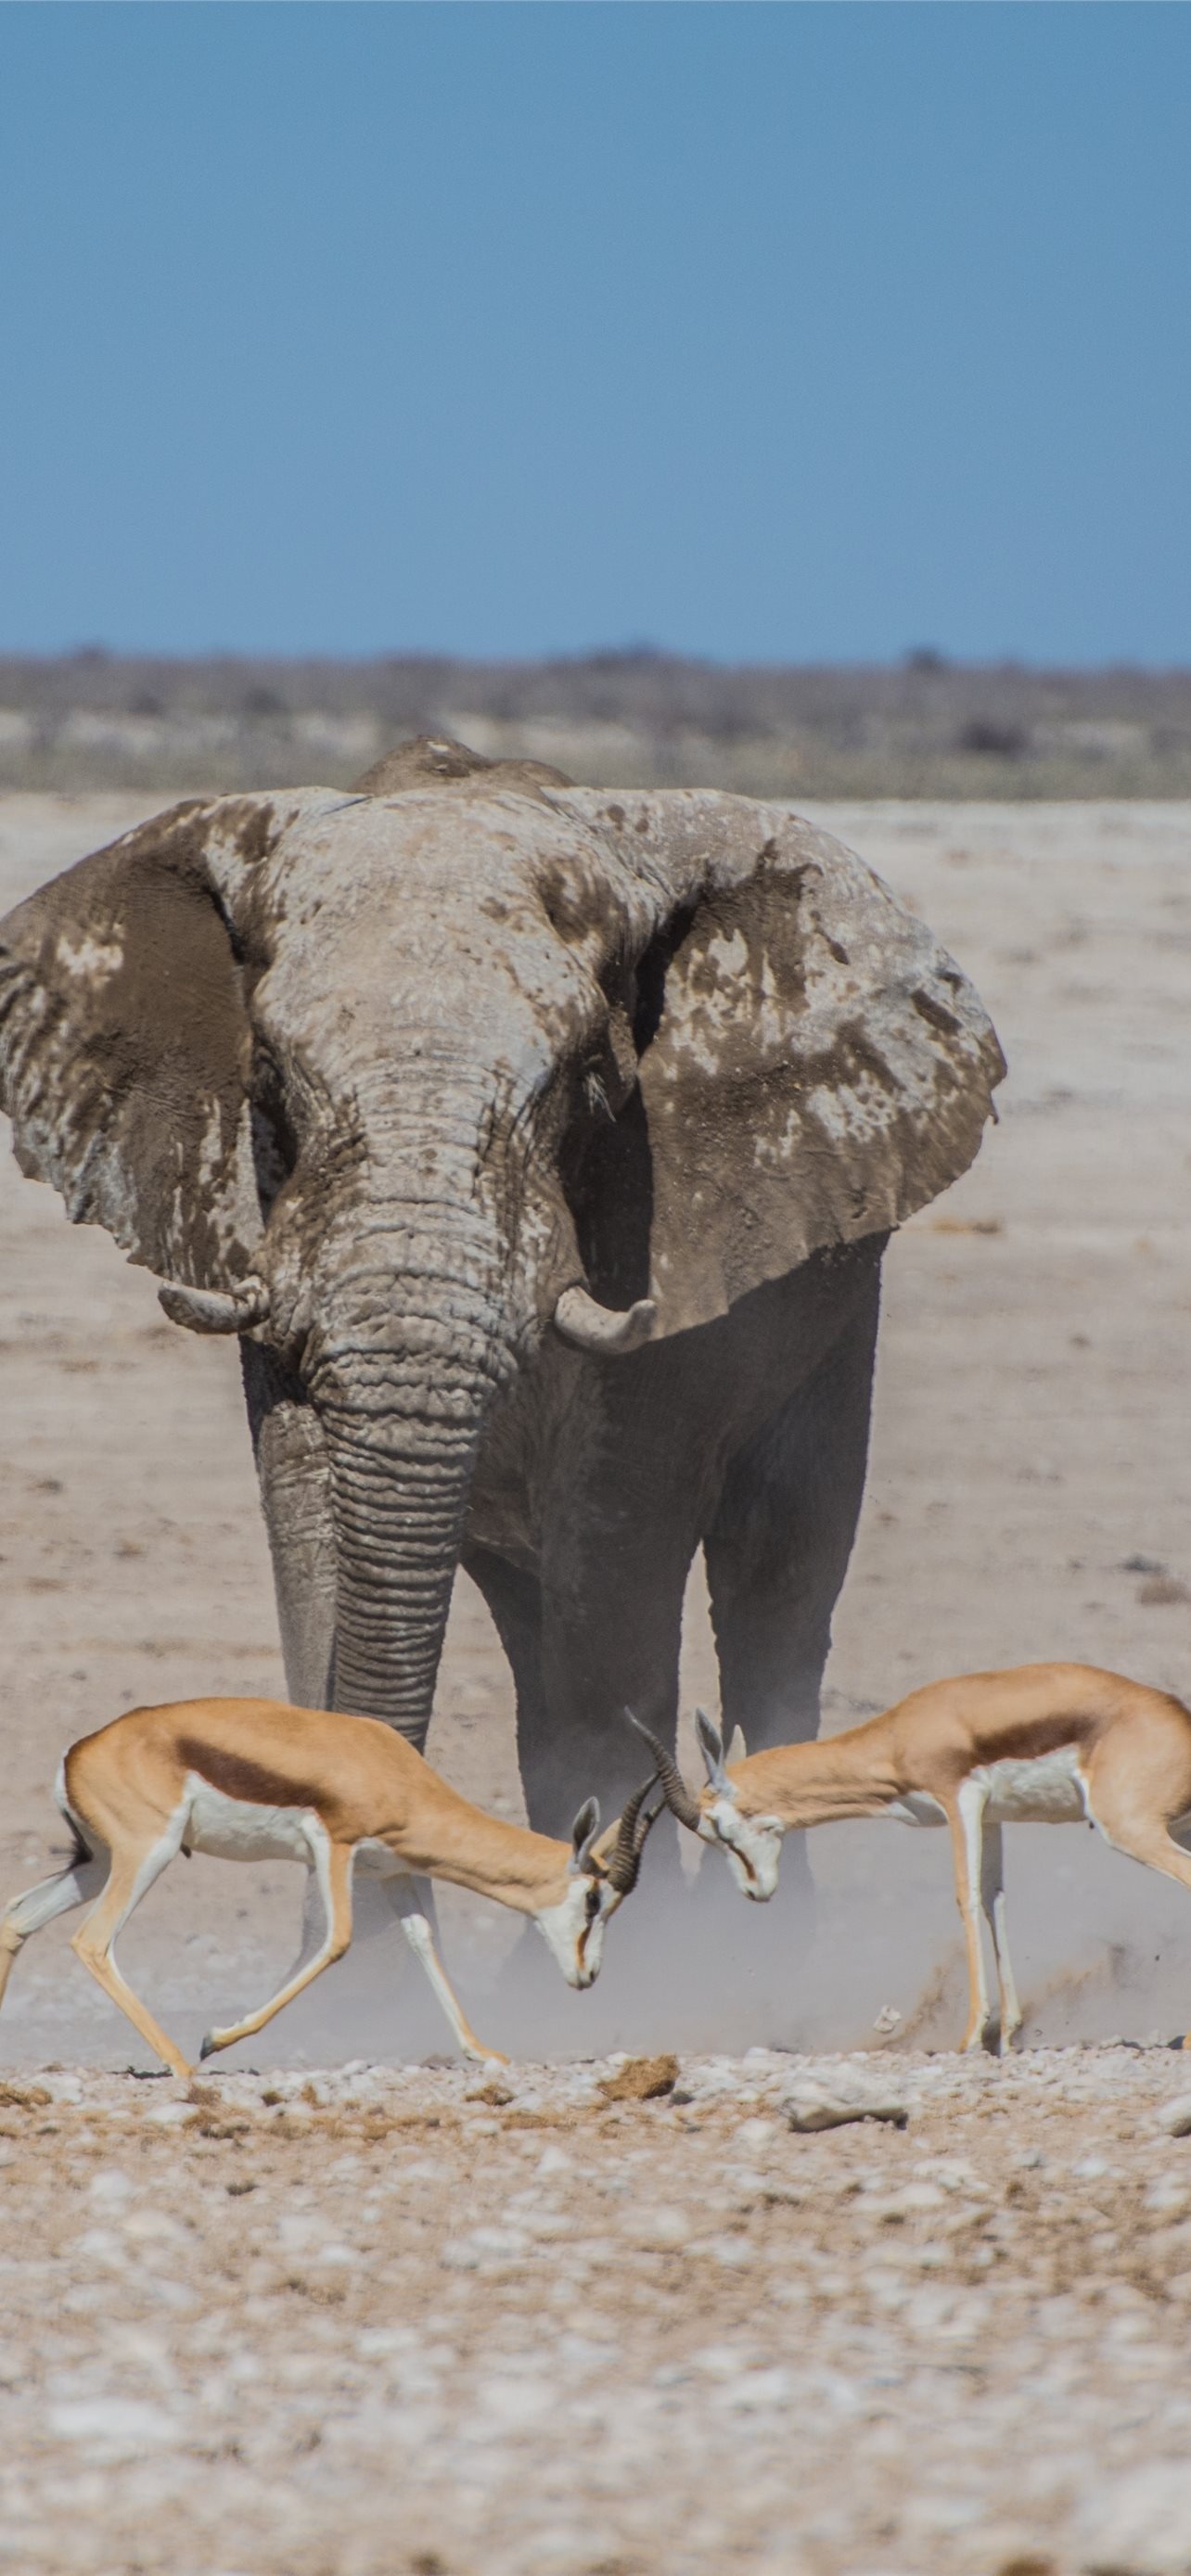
412	1343
399	1503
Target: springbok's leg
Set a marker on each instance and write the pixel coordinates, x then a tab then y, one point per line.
966	1819
403	1897
992	1897
1113	1808
72	1886
133	1873
332	1865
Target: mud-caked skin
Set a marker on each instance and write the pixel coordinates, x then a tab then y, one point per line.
540	1143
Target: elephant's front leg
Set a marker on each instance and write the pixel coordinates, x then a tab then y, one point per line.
291	1465
776	1558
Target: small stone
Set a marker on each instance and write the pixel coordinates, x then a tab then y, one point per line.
641	2079
1175	2117
554	2160
757	2133
126	2424
110	2188
1169	2197
732	2252
913	2202
812	2106
1141	2524
658	2231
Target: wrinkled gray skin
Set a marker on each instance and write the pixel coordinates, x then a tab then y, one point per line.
403	1066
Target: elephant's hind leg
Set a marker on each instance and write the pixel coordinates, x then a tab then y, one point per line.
778	1549
514	1601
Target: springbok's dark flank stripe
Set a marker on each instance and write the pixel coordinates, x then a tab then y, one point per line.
238	1776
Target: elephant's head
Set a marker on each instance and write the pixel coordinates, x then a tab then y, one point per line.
403	1082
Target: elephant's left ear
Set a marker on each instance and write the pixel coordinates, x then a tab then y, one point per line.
124	1047
815	1066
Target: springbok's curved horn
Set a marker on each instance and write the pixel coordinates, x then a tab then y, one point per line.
210	1310
591	1327
636	1824
674	1789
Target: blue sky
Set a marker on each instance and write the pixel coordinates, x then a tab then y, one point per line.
778	333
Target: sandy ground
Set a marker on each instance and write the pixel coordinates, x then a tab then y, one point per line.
925	2397
375	2325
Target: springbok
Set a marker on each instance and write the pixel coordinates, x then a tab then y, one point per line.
1047	1744
252	1779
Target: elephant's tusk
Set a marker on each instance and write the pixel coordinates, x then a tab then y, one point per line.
592	1327
210	1310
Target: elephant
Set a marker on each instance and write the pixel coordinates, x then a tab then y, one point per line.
541	1144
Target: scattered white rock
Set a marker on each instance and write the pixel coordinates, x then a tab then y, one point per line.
122	2424
810	2105
659	2231
1140	2525
110	2188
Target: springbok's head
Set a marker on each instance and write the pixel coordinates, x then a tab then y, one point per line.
723	1811
601	1871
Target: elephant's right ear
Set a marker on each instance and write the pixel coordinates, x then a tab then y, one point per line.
813	1067
125	1051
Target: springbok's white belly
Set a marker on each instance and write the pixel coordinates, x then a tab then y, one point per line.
235	1829
1046	1790
1049	1790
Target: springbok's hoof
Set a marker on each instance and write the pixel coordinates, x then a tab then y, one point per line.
211	2041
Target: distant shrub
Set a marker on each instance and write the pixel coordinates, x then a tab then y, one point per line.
986	734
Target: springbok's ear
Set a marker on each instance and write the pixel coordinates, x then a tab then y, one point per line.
812	1066
583	1833
738	1749
711	1746
125	1048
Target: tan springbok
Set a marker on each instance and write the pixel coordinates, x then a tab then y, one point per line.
1047	1744
252	1779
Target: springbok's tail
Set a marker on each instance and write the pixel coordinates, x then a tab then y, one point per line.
82	1848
